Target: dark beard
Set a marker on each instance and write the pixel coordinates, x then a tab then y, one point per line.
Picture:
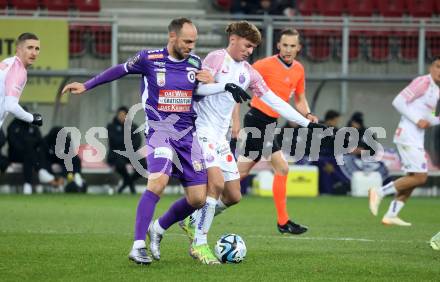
178	55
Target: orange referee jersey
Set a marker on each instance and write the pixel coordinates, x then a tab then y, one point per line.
284	81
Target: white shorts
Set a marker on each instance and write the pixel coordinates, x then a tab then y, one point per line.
413	158
218	154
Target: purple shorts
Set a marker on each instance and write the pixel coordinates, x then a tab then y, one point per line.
182	159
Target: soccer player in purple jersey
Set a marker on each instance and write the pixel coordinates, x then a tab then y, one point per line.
169	79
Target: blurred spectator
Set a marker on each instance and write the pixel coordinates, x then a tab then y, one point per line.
267	7
75	182
4	162
287	7
116	142
25	146
244	6
332	119
357	121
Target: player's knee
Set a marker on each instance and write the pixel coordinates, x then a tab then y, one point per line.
216	186
282	170
234	199
421	178
197	201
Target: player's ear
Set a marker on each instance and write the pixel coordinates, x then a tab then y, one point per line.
278	46
172	35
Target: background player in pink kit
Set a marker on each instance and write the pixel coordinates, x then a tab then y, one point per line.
416	103
169	78
13	77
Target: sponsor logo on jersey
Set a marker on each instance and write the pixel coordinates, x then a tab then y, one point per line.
160	69
159	64
191	76
163	152
197	165
174	100
194	62
133	60
155	56
160	79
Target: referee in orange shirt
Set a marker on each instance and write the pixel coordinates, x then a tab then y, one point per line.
285	77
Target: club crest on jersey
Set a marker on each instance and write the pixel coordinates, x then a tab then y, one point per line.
160	79
194	62
241	78
191	76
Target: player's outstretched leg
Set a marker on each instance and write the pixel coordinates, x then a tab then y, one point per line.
284	224
188	226
199	248
179	210
144	213
376	195
392	215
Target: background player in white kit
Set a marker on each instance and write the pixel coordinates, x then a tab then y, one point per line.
416	103
214	114
13	77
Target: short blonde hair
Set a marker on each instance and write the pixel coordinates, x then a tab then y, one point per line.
246	30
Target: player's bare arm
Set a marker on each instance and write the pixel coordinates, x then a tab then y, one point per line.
303	107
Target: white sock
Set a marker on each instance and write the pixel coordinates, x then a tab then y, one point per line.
204	218
138	244
157	227
220	207
394	209
387	189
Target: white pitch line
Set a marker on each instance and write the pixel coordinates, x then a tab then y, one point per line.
277	237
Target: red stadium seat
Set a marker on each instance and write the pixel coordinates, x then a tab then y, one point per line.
378	46
408	46
77	45
432	44
333	8
24	4
3	4
361	8
56	5
420	8
224	4
102	40
353	45
307	7
391	8
87	5
317	44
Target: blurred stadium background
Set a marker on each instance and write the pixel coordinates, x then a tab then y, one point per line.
357	54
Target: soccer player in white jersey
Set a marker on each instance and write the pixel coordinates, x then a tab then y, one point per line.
230	69
13	77
416	103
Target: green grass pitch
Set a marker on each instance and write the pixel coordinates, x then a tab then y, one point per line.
87	238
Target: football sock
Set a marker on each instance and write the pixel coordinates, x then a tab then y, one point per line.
387	189
204	220
394	209
178	211
220	207
139	244
144	214
279	197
